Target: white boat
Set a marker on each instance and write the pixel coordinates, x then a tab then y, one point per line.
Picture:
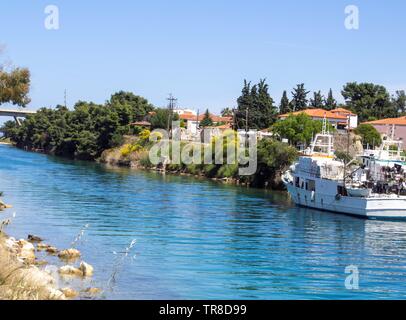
321	182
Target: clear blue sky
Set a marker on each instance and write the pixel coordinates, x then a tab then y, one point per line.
201	51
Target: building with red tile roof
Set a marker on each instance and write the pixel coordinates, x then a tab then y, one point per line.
393	128
339	117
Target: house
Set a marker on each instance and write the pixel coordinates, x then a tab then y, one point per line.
193	120
392	128
338	118
352	117
211	132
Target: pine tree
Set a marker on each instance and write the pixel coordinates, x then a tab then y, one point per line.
330	102
227	112
399	102
317	101
299	98
260	105
206	121
284	106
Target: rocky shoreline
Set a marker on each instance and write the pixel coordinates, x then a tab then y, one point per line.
23	276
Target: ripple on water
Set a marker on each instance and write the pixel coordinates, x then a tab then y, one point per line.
198	239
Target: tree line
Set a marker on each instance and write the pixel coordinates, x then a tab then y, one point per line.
87	130
369	101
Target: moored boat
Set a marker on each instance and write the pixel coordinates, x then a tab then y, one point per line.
320	181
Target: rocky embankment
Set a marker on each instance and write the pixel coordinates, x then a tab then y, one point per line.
23	276
353	144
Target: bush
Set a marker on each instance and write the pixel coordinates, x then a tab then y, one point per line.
370	136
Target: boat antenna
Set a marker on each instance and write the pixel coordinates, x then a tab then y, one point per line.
324	131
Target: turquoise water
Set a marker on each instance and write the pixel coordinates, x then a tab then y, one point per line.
197	239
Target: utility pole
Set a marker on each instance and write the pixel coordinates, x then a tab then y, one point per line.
246	120
65	98
234	120
171	107
246	126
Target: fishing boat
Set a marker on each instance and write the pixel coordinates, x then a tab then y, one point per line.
320	181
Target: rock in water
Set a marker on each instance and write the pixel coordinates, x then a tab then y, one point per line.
70	293
69	254
92	291
42	247
70	271
52	250
87	269
32	238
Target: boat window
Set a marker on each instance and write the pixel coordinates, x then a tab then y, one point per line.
342	191
310	185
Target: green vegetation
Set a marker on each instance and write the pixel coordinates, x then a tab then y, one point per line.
369	101
161	118
227	112
330	102
273	158
370	136
206	121
284	106
299	129
260	105
83	133
317	101
299	98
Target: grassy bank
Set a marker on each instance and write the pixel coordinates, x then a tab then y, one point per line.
273	157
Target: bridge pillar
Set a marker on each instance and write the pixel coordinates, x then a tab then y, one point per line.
18	121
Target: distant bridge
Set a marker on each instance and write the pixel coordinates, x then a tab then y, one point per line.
16	114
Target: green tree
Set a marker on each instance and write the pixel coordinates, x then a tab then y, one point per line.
299	98
260	105
273	158
399	101
369	101
83	133
317	100
298	129
160	118
370	136
284	106
227	112
130	106
330	103
206	121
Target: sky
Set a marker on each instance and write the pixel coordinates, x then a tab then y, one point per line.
200	51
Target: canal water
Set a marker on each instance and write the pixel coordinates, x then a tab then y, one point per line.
196	239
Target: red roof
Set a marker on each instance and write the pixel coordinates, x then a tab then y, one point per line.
343	111
214	118
401	121
316	113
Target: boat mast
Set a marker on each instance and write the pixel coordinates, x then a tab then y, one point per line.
346	160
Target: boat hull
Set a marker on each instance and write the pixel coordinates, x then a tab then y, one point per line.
372	208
